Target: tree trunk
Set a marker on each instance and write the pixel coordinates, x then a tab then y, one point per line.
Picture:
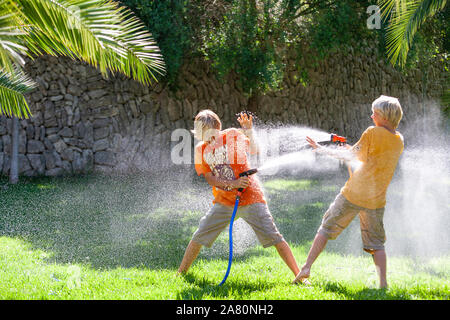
14	168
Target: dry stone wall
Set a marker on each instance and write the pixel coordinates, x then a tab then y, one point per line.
82	122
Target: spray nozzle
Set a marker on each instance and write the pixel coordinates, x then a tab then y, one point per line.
248	173
338	139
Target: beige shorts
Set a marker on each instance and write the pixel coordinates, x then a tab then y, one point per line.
341	212
257	215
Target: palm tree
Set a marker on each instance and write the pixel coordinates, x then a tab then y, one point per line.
99	32
405	17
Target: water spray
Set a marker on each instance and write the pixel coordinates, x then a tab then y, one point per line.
341	141
236	204
334	139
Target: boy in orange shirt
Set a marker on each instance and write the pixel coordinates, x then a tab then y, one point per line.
221	155
378	150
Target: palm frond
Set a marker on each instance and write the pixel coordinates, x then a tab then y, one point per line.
11	46
142	51
13	86
99	32
405	18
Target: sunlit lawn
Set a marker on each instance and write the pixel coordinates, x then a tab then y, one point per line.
123	238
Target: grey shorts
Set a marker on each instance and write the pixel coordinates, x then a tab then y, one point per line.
257	215
341	212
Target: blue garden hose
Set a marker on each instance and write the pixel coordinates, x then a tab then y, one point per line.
230	259
236	205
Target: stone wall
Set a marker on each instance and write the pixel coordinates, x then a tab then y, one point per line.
82	122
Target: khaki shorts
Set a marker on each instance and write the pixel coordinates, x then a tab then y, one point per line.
341	212
257	215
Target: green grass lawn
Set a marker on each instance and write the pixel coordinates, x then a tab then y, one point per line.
102	237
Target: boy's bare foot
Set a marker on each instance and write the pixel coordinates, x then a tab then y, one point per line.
302	276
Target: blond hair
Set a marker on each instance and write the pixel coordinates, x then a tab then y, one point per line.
389	108
205	120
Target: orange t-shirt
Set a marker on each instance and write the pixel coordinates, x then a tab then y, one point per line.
226	159
379	151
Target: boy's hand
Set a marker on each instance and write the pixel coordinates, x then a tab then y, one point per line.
245	120
242	182
312	143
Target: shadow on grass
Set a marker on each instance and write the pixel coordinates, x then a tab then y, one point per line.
105	222
140	220
204	288
364	294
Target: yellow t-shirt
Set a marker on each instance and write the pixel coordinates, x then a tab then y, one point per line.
379	151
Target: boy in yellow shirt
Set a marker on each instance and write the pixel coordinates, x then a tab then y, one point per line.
378	150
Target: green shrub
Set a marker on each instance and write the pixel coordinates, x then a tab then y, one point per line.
242	43
251	38
342	23
166	20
